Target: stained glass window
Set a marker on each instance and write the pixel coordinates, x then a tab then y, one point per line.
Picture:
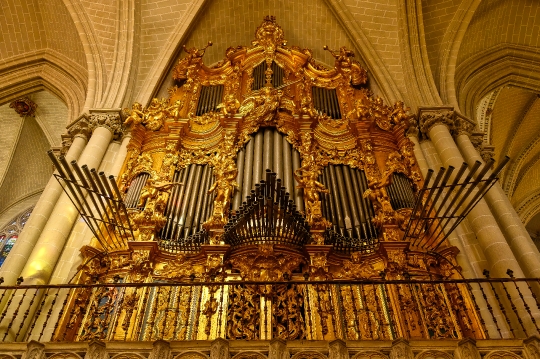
10	233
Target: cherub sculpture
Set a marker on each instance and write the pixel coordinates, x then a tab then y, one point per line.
229	106
135	115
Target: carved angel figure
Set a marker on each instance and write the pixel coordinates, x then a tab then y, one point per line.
136	114
307	179
399	114
225	172
229	106
262	105
155	115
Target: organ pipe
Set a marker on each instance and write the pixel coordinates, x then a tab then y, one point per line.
345	206
326	101
400	192
209	98
134	191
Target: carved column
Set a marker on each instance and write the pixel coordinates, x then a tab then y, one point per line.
467	349
120	155
160	350
219	349
412	134
34	350
517	236
278	349
52	241
96	350
17	258
338	350
401	349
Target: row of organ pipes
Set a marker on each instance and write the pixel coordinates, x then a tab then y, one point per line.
190	205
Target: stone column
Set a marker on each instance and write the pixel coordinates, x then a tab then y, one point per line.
436	123
219	349
467	349
412	134
96	350
120	155
509	222
44	257
401	349
17	258
338	350
160	350
278	349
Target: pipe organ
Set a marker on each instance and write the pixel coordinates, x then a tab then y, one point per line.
266	168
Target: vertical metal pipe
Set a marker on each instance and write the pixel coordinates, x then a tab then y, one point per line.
140	185
176	203
257	158
324	210
352	195
184	201
367	203
171	204
287	166
193	200
298	194
344	196
331	211
248	170
360	202
237	199
335	198
268	149
200	104
201	196
278	154
209	90
316	98
209	204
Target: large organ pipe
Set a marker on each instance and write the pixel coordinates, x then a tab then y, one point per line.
361	205
329	203
344	199
181	218
208	200
237	197
257	158
352	197
363	183
267	149
193	194
278	155
202	99
191	228
298	195
171	204
248	173
335	199
287	169
176	201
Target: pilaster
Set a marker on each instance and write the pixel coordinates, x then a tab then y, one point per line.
96	350
219	349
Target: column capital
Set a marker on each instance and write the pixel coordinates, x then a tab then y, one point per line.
108	118
431	116
463	125
80	127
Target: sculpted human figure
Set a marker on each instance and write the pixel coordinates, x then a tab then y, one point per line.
136	114
225	172
307	179
399	115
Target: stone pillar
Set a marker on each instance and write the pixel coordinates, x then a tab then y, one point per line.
219	349
278	349
435	124
338	350
160	350
17	258
51	242
412	134
96	350
120	155
516	235
44	257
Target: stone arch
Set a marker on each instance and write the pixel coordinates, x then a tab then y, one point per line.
309	354
249	355
433	354
191	355
6	356
68	355
501	354
370	354
529	207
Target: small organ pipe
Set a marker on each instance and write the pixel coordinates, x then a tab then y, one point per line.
268	149
278	154
298	196
209	201
257	159
237	198
329	202
171	204
248	170
177	202
195	188
287	166
363	182
360	201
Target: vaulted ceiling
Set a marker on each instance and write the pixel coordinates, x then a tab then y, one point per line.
482	57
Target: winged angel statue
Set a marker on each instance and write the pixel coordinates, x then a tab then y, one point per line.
262	105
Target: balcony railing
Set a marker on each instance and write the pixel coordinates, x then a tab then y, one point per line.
293	309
